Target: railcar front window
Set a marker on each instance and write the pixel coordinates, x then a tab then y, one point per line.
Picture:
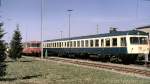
138	40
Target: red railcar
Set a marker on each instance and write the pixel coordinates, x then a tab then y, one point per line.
32	48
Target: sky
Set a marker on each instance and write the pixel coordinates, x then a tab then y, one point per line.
86	14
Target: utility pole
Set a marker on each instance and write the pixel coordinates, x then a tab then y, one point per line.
69	17
41	29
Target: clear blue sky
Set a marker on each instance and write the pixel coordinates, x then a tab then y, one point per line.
86	15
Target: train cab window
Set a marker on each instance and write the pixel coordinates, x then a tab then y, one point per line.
102	42
107	42
74	43
123	41
86	43
114	42
138	40
91	43
78	43
96	43
82	43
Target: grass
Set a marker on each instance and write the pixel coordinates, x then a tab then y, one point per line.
30	71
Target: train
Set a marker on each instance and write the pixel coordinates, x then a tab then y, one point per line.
32	48
115	46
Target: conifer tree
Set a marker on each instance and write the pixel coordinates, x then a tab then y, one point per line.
15	51
2	52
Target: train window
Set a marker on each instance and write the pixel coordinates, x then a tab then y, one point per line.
123	41
96	43
59	44
138	40
86	43
74	43
82	43
70	43
102	42
91	43
55	45
65	44
50	44
114	42
107	42
78	43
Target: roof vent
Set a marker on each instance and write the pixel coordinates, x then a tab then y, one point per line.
112	29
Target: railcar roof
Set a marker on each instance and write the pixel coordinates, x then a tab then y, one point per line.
115	33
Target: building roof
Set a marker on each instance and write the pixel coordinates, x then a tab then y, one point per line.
143	27
115	33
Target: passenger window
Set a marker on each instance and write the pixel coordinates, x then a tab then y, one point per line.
96	43
86	43
65	44
114	42
82	43
78	43
91	43
59	44
68	44
55	45
102	42
123	41
74	43
107	42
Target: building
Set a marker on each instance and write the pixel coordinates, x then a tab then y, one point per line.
145	29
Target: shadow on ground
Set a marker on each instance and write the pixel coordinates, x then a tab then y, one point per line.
22	78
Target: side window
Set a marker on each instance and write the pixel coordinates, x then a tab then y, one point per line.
59	44
123	41
82	43
107	40
78	43
74	43
91	43
102	42
96	43
68	44
86	43
114	41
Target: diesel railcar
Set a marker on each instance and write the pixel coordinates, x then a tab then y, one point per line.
109	45
32	48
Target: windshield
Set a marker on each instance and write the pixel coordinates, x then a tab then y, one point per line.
138	40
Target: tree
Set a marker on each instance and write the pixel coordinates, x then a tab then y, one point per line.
15	51
2	52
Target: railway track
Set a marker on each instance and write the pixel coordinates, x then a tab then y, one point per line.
141	72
